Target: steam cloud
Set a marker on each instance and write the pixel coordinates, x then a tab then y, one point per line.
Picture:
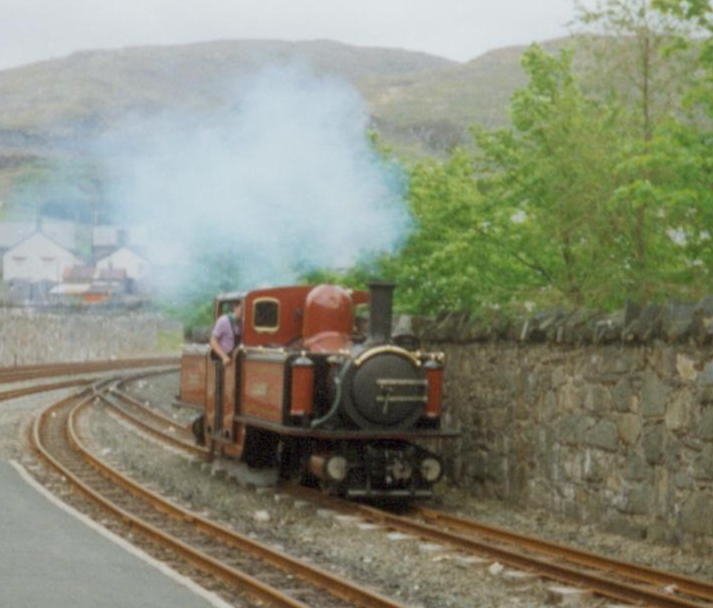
283	181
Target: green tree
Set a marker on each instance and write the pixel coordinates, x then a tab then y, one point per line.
629	46
633	39
523	218
590	197
451	260
549	178
698	13
664	201
549	210
683	150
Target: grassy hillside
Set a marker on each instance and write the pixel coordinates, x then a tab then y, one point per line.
420	103
433	110
54	100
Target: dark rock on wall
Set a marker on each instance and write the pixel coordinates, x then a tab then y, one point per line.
607	418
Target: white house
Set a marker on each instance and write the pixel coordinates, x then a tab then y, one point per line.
136	267
37	258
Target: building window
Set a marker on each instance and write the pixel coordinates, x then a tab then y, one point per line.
266	315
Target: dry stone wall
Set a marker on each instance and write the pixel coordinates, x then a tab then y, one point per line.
28	336
606	419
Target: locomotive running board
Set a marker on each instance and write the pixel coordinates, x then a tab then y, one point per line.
401	434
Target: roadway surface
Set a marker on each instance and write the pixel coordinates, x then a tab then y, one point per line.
48	557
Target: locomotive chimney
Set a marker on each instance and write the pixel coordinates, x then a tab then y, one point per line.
380	308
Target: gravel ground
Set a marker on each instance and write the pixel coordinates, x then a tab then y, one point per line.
16	416
415	572
159	392
692	560
407	569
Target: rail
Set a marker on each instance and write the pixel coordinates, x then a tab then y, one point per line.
65	413
38	372
46	370
615	579
601	577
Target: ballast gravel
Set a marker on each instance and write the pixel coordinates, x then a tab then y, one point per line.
16	416
160	391
411	570
692	560
400	566
688	559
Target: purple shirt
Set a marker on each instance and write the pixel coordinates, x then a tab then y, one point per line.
223	332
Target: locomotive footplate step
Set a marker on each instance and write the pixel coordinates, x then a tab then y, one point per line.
50	557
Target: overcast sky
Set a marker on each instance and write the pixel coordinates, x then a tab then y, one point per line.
32	30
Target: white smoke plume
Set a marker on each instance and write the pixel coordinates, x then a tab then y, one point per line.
283	181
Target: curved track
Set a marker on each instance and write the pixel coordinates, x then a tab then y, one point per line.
152	422
643	574
14	393
206	545
611	578
619	581
46	370
39	372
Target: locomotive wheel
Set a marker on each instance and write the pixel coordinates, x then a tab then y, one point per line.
198	428
289	458
260	448
308	480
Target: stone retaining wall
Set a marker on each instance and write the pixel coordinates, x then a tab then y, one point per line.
28	337
614	430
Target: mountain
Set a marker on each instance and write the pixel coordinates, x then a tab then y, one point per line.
53	101
420	103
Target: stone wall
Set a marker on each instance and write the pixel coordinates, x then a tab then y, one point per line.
589	422
28	336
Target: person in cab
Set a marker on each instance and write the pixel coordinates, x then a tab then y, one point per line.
227	333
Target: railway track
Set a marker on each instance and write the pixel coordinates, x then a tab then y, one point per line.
38	372
242	564
658	578
46	370
155	414
610	578
152	422
14	393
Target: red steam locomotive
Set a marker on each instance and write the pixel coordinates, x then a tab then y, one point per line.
308	390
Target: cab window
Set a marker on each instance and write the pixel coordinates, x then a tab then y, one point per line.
266	315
